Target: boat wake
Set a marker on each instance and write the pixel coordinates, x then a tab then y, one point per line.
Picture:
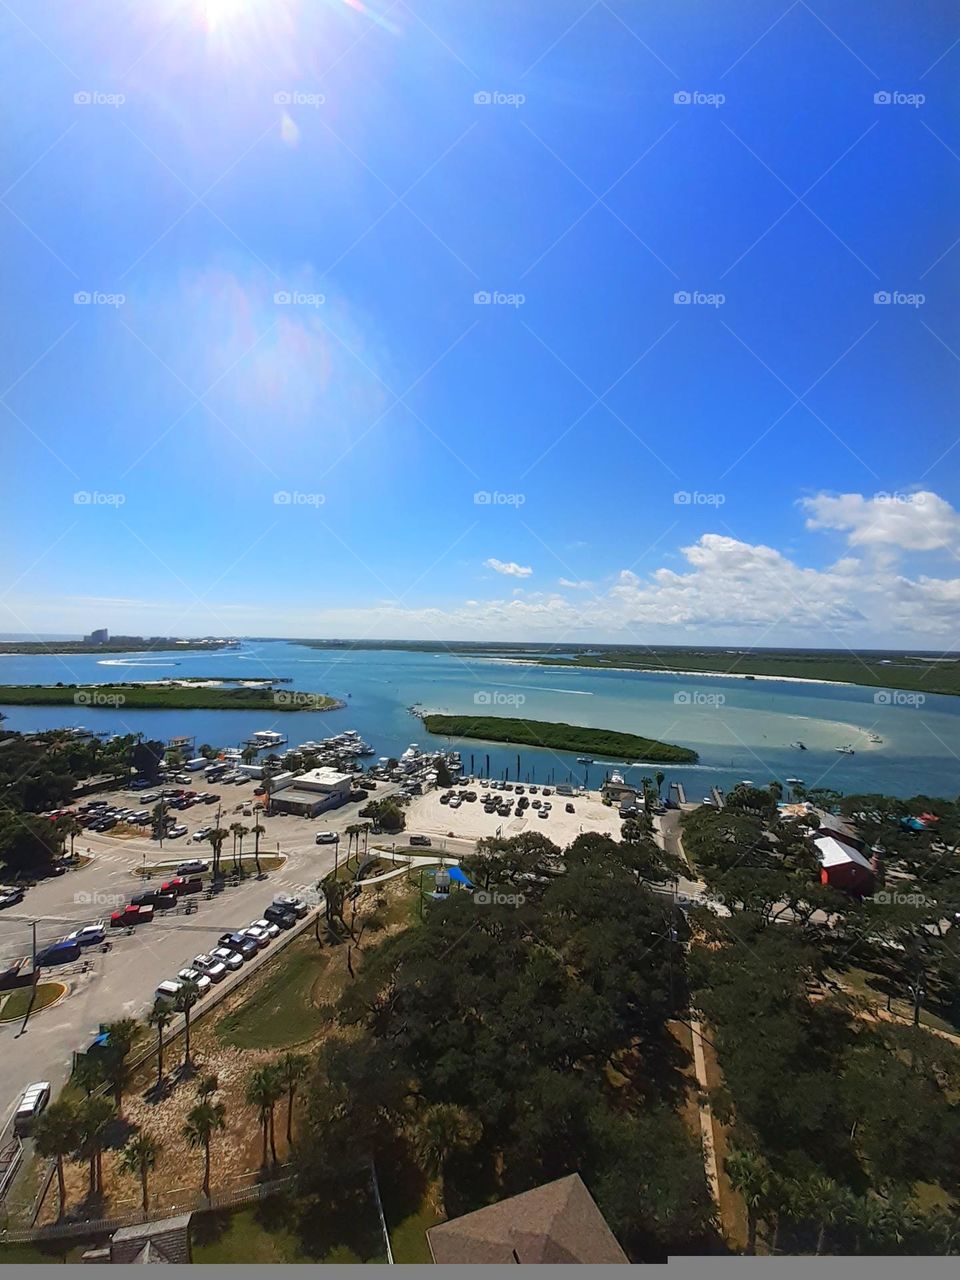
123	662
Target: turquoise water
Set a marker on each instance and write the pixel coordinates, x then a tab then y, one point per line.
741	728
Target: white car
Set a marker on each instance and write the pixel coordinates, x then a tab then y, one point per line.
327	837
200	980
215	970
176	831
223	955
268	927
89	934
289	903
34	1099
260	936
168	991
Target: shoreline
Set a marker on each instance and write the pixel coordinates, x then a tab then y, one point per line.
679	671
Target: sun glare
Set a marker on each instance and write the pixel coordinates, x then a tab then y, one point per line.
218	13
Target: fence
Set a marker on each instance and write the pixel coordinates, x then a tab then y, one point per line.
198	1203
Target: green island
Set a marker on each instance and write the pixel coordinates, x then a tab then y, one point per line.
560	737
164	697
120	644
873	668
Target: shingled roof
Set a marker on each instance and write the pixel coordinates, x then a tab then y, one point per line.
558	1222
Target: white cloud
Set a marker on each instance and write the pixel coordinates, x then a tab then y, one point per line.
575	586
508	567
919	521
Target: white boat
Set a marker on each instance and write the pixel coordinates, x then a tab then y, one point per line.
794	782
845	751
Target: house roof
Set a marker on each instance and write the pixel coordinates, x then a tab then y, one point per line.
833	853
558	1222
167	1241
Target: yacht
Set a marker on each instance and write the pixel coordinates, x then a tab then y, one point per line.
584	760
794	782
800	745
845	750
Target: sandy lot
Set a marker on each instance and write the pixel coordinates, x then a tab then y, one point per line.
427	816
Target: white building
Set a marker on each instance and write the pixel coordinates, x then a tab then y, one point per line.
313	792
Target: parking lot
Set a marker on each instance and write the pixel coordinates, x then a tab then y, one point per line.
103	985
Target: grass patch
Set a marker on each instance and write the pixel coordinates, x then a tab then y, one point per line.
46	1252
559	737
290	1229
280	1012
14	1006
408	1238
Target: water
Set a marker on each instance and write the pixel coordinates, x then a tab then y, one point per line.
741	728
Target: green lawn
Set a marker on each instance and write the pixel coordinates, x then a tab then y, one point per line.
279	1012
408	1238
287	1229
14	1005
60	1251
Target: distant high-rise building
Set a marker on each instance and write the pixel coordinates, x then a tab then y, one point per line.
100	636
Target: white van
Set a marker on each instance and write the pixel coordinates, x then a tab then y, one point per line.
34	1099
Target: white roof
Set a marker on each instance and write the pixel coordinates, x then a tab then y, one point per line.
833	853
324	777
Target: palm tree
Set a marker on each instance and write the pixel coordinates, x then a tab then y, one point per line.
139	1157
207	1086
120	1037
819	1199
159	817
292	1068
93	1117
443	1129
56	1134
69	826
267	783
258	831
658	778
239	831
159	1017
749	1175
248	755
203	1121
264	1090
186	998
216	838
88	1072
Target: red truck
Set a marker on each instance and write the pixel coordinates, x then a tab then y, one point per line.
131	915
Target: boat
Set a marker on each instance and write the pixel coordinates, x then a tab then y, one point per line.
794	782
584	760
875	737
800	745
846	750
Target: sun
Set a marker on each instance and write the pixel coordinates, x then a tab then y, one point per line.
219	13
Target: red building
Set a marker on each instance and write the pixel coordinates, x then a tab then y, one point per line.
843	867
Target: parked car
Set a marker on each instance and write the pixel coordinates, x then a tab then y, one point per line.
35	1098
257	935
193	867
200	980
215	970
281	916
420	840
88	934
288	902
327	837
141	913
175	832
241	942
168	991
228	957
10	895
61	952
271	930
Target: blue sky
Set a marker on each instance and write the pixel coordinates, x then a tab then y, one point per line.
276	412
